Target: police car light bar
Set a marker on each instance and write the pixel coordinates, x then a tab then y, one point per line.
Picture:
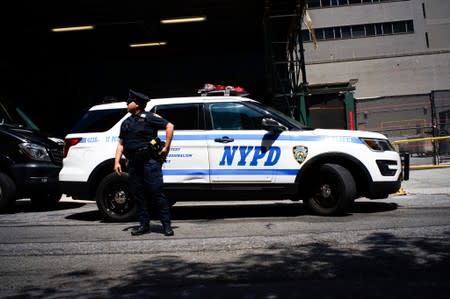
216	89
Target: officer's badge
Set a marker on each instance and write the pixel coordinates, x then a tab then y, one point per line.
300	153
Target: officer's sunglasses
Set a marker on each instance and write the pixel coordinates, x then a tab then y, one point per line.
130	100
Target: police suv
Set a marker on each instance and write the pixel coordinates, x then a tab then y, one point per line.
228	147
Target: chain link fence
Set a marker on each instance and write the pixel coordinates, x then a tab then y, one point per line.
410	121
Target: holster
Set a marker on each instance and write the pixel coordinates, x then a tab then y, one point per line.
151	151
154	148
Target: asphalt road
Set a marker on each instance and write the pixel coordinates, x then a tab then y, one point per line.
394	248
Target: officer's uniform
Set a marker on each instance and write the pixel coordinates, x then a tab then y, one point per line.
146	180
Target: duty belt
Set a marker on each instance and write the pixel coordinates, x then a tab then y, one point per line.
141	154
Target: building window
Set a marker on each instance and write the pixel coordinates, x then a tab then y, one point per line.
370	30
399	27
314	3
306	36
387	28
328	3
409	26
378	30
329	33
359	31
346	32
319	34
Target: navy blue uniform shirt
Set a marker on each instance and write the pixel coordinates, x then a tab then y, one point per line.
137	130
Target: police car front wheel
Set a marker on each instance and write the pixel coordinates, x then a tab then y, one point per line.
334	190
113	199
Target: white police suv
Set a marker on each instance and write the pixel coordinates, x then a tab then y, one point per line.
231	147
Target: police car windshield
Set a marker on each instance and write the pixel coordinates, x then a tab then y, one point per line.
289	122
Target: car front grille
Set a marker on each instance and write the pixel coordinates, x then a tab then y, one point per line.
57	155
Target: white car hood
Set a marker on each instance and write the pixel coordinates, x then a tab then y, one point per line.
347	133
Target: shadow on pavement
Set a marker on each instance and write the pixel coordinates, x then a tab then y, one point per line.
243	210
385	266
26	206
372	207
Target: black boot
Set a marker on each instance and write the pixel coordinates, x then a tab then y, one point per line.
167	229
142	229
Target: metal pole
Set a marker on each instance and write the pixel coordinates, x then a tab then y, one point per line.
300	10
434	129
303	107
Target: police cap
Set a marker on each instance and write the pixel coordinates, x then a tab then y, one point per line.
134	96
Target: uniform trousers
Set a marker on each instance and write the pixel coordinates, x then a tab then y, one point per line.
146	187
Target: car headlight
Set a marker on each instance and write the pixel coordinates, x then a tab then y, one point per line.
35	151
378	145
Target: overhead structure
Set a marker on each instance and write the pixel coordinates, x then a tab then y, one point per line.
285	64
326	104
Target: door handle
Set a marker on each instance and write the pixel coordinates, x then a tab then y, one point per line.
224	139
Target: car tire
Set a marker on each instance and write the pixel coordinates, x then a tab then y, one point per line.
7	192
333	191
113	200
49	199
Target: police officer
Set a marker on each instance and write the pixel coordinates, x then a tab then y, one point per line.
146	180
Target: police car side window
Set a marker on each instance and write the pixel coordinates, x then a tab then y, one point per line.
183	116
234	116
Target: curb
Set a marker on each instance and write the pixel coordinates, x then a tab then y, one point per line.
400	192
417	167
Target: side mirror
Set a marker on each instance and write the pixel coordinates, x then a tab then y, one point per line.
271	125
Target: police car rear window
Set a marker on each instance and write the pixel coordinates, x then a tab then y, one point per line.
98	120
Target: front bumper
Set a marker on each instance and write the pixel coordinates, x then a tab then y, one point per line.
31	178
76	190
380	190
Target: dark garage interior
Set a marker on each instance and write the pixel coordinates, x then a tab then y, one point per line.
54	76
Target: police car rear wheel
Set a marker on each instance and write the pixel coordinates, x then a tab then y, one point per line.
113	199
333	192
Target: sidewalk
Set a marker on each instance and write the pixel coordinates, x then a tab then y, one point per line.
428	181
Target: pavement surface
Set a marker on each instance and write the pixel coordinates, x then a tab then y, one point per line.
428	181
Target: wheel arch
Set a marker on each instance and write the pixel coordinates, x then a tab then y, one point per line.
359	172
5	167
101	171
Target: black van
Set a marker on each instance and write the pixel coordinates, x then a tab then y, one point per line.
30	160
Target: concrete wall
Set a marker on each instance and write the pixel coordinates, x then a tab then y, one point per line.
437	23
400	64
388	76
